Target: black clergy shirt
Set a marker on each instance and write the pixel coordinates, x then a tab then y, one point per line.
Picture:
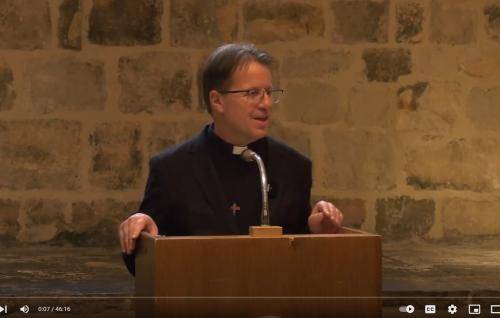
240	180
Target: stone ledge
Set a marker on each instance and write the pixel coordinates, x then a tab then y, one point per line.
63	271
467	267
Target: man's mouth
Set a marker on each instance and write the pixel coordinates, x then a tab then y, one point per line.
263	118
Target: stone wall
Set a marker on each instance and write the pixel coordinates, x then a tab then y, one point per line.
397	103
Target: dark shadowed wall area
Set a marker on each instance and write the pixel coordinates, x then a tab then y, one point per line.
396	102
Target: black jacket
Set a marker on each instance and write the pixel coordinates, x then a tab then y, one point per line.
184	197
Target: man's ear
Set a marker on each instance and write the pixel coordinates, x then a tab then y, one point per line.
216	101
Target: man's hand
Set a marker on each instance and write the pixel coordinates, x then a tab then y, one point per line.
130	229
325	218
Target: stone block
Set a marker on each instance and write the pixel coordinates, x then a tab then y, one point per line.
353	210
95	223
410	18
70	24
409	96
437	107
312	103
164	135
466	217
371	106
492	13
357	160
386	65
66	84
293	137
483	107
37	154
155	82
203	24
116	156
452	23
43	221
404	217
481	63
314	63
24	24
9	224
268	21
125	22
360	21
7	93
434	163
438	62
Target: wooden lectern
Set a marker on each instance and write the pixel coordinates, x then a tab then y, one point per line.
336	275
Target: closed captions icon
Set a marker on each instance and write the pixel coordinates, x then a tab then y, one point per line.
430	309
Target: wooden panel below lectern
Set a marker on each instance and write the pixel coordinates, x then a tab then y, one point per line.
242	276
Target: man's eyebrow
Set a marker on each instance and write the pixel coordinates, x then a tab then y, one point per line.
265	87
257	88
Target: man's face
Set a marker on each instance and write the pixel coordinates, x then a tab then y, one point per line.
238	119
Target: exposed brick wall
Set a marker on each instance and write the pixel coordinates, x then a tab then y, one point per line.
396	101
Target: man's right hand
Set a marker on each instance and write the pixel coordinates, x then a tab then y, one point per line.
130	229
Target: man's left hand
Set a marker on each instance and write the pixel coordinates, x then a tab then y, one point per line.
325	218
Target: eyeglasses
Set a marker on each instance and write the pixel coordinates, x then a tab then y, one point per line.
255	95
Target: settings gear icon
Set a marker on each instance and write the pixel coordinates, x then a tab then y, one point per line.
452	309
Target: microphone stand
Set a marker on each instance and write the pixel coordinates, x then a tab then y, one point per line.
265	229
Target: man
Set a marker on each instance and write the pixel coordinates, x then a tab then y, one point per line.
203	187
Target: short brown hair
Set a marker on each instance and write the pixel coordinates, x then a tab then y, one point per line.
223	62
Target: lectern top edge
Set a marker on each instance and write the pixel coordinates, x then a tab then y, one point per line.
346	232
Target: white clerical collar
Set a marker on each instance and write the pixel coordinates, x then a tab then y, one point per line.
237	150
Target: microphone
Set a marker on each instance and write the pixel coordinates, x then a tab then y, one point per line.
249	155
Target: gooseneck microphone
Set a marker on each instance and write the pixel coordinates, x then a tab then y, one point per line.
249	156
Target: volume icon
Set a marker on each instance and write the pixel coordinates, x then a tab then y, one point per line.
25	309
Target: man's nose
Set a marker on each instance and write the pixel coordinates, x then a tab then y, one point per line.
266	101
